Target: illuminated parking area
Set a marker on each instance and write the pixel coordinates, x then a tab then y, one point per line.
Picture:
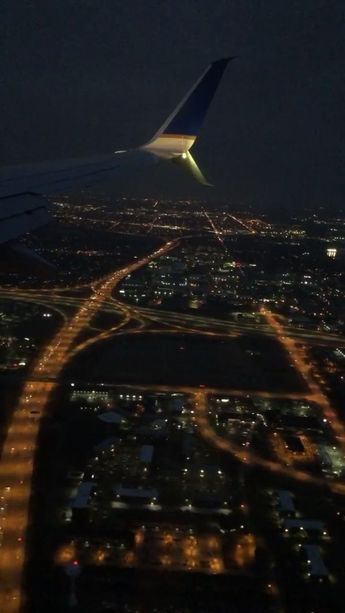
168	548
307	453
16	465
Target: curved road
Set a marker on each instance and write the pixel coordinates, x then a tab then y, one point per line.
17	459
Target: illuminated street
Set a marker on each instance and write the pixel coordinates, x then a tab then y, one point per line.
301	364
17	460
172	321
57	299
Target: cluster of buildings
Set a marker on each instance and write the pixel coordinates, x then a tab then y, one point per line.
20	332
194	274
300	276
159	497
307	535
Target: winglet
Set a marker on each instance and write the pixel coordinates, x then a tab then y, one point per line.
179	132
188	163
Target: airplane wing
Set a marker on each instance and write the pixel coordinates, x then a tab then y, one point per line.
24	189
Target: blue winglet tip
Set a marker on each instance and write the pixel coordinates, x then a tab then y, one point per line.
188	116
225	60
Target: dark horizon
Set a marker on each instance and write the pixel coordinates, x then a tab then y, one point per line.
80	80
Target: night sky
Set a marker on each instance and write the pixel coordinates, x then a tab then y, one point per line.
81	77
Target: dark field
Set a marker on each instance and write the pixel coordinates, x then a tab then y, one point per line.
249	363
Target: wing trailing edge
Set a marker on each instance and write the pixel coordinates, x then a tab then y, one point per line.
22	213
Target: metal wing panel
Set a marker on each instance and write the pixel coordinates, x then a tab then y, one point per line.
58	177
20	214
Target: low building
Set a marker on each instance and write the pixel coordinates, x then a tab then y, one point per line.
146	454
80	504
316	565
285	501
134	495
110	417
312	526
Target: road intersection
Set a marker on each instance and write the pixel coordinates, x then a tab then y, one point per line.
18	453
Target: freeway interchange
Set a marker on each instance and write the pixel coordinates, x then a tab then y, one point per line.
18	453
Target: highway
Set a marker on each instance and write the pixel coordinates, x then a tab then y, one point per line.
315	395
300	361
17	459
57	299
249	457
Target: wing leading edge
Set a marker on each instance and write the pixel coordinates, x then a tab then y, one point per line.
22	205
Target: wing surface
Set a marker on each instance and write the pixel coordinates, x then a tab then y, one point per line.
23	189
57	177
22	206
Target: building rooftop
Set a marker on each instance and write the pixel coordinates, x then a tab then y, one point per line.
285	501
316	564
146	453
135	492
81	501
110	417
305	524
